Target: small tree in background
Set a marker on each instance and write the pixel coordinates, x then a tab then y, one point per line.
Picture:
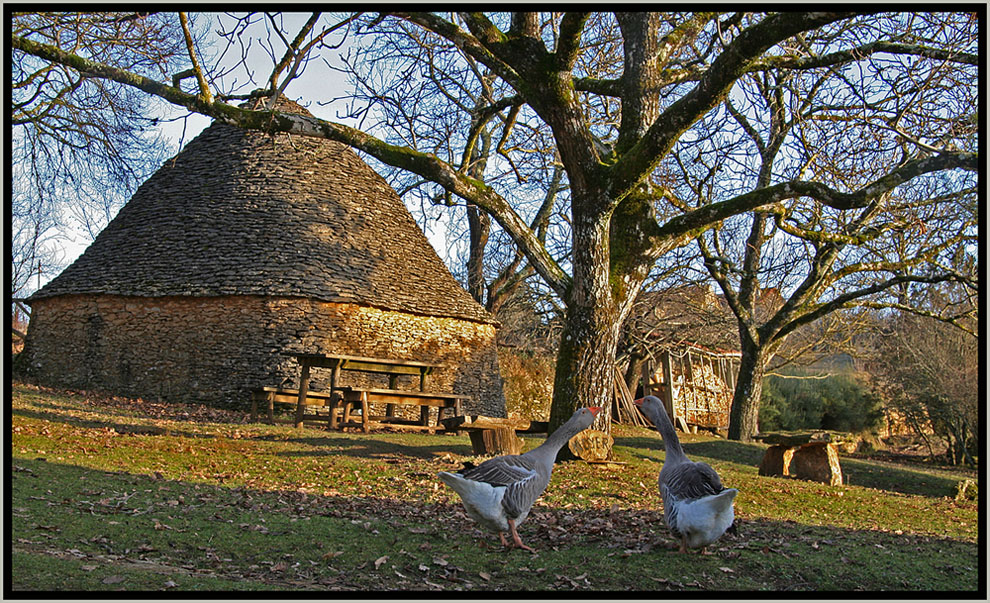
929	370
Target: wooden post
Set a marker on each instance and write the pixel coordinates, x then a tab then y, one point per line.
303	390
647	376
392	382
668	391
335	376
334	402
364	413
689	389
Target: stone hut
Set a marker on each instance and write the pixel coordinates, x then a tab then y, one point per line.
244	246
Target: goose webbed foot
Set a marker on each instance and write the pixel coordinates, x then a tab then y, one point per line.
516	539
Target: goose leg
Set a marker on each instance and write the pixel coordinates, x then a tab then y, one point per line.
501	536
516	539
684	548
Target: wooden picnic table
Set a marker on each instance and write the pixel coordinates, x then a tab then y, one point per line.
356	395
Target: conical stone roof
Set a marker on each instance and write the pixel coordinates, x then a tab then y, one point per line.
239	212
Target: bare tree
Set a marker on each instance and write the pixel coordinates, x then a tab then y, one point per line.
80	145
676	68
823	261
928	370
449	105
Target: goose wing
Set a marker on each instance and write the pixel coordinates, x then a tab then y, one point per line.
690	480
520	479
499	471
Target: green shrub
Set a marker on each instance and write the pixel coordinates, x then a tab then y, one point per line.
837	402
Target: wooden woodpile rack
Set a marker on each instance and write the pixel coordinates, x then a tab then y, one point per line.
695	384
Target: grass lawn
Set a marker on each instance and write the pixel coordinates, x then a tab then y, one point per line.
112	494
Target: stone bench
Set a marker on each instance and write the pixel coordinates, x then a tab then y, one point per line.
810	456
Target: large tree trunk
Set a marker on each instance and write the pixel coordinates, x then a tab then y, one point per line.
584	373
586	357
745	413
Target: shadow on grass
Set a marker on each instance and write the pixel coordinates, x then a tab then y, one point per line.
119	427
230	524
371	446
724	450
905	480
881	476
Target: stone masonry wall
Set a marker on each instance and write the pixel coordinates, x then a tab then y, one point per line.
215	350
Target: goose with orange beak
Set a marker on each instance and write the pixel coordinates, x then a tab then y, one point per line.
696	507
499	492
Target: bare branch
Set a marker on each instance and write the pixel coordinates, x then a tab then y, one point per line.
292	50
710	90
569	42
204	88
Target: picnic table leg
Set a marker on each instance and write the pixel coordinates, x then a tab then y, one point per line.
303	390
454	408
424	415
336	400
364	413
345	416
442	411
270	398
392	384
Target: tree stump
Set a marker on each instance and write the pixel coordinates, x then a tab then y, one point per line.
776	461
495	441
591	445
812	455
818	462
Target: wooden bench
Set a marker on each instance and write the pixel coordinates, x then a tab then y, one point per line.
363	397
810	455
272	395
341	403
393	368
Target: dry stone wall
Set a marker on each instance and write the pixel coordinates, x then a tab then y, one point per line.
215	350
